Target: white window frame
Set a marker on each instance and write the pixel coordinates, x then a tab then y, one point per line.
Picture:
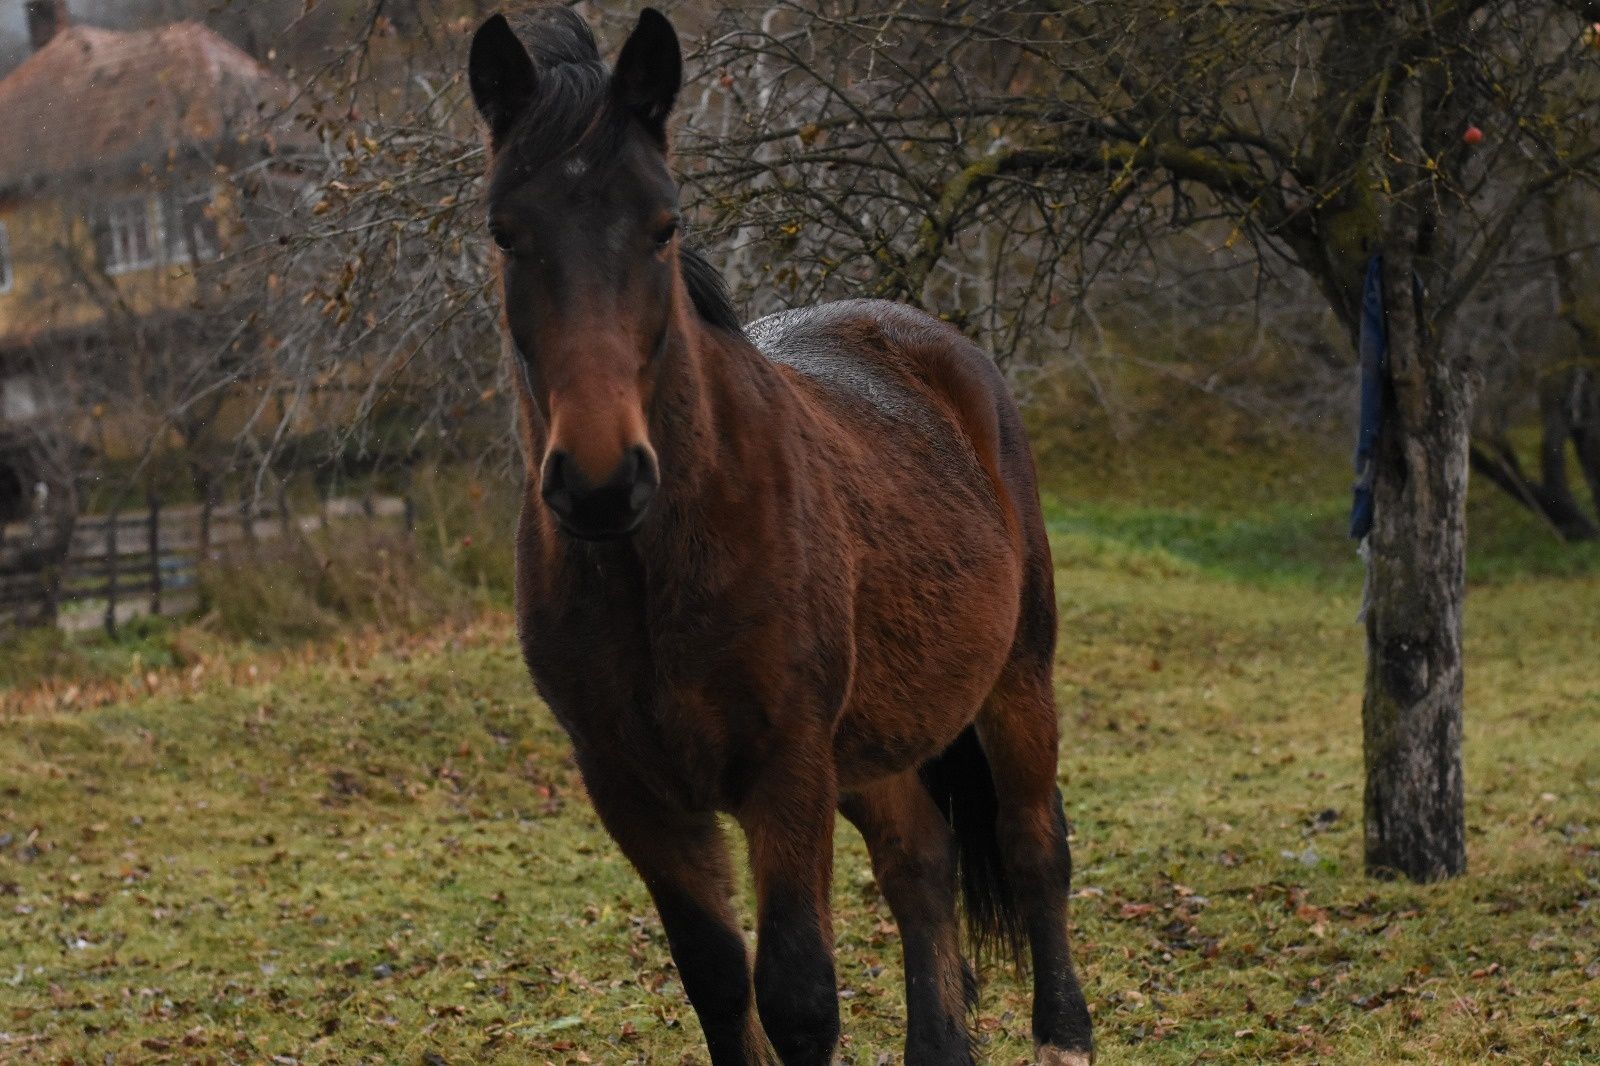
20	398
8	266
118	217
178	255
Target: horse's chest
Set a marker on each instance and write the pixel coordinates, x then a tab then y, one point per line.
682	718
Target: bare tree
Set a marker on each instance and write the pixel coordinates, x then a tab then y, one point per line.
1539	326
43	460
1031	142
1017	166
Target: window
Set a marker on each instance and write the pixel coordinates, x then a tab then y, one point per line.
19	399
6	277
126	234
178	226
189	226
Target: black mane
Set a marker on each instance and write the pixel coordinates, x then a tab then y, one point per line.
572	114
707	290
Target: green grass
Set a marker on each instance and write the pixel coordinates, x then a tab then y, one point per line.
30	656
360	857
1264	507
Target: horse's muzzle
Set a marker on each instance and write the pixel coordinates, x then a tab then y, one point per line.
613	508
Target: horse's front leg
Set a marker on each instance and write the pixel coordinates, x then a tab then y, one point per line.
683	860
788	820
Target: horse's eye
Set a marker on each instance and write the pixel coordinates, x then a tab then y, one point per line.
502	239
665	234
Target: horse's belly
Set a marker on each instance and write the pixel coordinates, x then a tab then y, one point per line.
923	669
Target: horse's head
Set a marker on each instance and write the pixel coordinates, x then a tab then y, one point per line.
585	215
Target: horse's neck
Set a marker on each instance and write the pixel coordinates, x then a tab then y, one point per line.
721	411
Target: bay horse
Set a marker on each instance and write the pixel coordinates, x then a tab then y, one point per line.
770	572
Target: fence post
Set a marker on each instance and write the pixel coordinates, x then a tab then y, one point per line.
155	555
112	521
247	524
55	571
411	515
52	590
205	526
283	507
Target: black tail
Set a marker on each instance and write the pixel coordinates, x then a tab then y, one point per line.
962	784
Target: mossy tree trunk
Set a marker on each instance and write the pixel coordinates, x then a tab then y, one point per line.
1413	707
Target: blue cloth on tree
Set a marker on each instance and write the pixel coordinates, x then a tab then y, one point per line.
1374	351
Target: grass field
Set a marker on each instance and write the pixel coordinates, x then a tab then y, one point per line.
376	850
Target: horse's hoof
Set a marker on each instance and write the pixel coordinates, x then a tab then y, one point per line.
1055	1056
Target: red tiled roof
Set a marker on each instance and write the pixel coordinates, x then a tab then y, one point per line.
102	100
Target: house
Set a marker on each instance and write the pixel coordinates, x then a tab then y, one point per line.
115	147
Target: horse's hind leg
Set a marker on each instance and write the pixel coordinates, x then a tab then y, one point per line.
913	857
1019	733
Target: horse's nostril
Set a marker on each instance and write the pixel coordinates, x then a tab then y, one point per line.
644	467
557	487
643	478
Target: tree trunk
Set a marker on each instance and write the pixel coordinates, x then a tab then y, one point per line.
1586	431
1411	717
1558	411
1551	496
1574	400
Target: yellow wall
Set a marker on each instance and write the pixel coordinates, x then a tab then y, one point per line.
56	280
58	285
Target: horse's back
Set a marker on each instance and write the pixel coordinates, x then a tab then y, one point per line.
888	355
894	368
850	352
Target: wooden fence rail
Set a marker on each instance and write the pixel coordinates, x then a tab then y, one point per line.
147	561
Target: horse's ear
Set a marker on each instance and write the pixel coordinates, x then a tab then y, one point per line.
501	75
650	72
